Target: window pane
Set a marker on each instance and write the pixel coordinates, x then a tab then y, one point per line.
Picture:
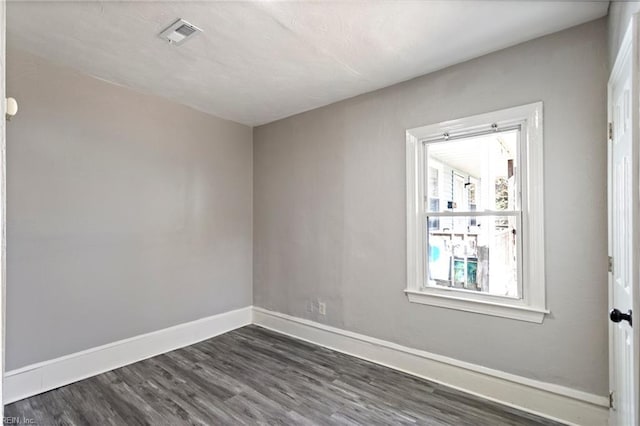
477	253
474	174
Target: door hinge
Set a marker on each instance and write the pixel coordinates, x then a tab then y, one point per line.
610	264
610	131
611	399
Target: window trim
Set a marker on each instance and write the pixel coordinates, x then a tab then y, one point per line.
532	305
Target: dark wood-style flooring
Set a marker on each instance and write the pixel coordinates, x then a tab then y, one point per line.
255	376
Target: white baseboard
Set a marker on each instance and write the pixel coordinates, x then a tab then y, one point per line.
552	401
43	376
555	402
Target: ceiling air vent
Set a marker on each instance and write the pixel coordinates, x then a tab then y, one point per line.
179	32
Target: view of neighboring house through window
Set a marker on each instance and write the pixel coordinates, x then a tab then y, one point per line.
473	211
434	195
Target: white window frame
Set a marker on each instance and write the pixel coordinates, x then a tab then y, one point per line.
531	306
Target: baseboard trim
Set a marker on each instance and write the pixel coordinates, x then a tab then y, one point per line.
559	403
552	401
43	376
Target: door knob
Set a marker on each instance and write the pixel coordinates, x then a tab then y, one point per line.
617	316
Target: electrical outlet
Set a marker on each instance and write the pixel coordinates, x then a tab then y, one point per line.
322	308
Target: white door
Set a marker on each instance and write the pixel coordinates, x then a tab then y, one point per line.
623	231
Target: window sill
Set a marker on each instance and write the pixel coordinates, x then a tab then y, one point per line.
504	310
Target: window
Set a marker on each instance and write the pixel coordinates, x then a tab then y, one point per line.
475	214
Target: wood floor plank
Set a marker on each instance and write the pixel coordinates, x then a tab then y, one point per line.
255	376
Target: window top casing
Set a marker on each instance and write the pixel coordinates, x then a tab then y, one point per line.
531	305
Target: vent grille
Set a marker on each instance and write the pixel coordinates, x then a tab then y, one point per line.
179	32
185	30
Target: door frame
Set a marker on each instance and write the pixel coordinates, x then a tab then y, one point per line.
630	46
3	197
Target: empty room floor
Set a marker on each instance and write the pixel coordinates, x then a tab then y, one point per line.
255	376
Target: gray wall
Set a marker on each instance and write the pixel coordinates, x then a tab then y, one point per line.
329	210
620	13
127	213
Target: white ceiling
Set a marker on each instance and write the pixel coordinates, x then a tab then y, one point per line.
257	62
